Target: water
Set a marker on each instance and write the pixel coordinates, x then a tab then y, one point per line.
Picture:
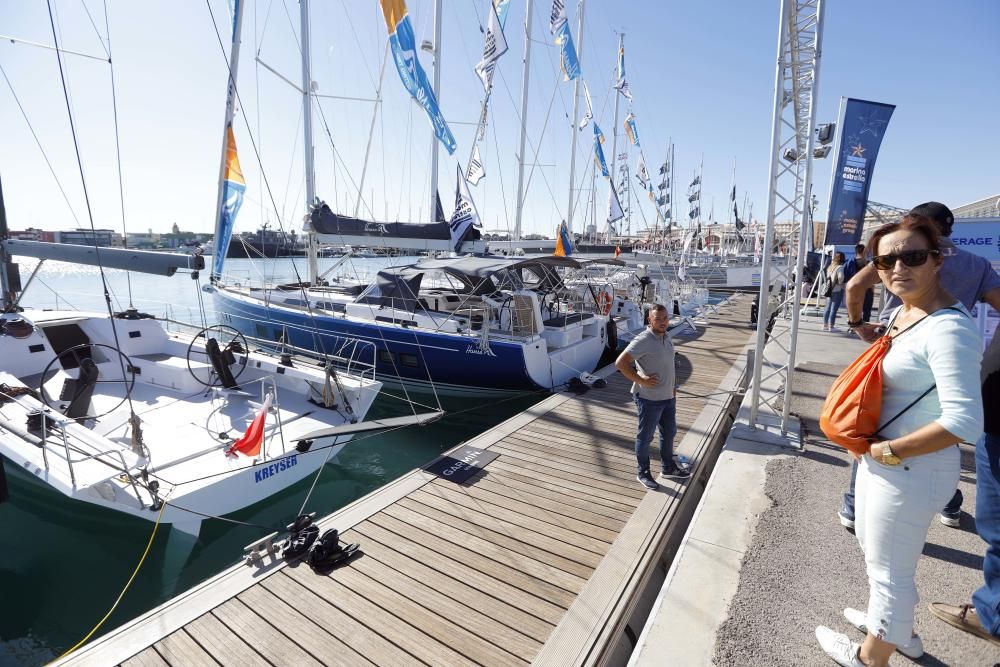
64	563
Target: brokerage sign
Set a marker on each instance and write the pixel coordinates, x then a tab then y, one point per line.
861	128
980	236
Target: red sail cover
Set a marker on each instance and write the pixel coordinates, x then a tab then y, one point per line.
250	443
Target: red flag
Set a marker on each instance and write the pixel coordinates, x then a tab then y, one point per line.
250	443
618	251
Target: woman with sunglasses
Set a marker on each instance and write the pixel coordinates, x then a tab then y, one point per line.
930	394
835	274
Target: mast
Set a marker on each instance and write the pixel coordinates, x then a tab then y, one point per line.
576	109
307	144
437	94
526	70
9	277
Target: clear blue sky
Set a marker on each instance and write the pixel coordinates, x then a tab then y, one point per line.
699	72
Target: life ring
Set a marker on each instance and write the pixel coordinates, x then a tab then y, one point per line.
604	302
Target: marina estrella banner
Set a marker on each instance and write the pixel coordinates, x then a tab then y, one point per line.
862	126
465	214
622	85
631	130
494	46
599	151
233	187
404	52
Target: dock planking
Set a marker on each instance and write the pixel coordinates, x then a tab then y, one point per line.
535	559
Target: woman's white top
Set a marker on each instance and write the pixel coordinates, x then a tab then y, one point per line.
836	276
944	349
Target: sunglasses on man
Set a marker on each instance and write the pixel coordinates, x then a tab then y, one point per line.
910	258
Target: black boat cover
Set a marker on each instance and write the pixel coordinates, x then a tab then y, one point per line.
325	221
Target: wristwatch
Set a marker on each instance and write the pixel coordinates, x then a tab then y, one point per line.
855	324
889	457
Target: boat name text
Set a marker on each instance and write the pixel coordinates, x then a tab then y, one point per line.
263	472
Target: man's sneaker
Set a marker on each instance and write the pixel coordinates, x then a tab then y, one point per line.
843	651
914	649
951	519
647	481
677	472
846	518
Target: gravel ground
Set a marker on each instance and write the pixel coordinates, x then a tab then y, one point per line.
802	568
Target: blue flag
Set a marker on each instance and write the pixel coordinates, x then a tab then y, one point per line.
559	26
862	126
599	151
404	51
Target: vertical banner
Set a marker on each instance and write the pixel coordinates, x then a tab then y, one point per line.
861	128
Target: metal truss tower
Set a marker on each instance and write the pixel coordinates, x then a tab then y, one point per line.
796	85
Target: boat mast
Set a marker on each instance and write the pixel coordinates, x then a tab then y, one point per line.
9	277
436	63
526	70
307	129
614	128
576	108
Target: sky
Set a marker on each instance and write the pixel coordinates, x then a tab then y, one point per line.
701	74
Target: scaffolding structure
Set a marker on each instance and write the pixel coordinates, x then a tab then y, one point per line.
790	188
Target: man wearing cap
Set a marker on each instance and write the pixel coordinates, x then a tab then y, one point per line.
966	276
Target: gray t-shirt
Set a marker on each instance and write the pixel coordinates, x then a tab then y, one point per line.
653	355
966	276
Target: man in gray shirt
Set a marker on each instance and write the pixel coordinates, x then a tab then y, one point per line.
648	362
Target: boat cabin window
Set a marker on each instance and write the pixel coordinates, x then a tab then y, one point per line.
409	360
385	356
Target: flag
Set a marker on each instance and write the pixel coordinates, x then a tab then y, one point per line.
438	209
643	175
732	196
622	85
465	214
250	443
663	200
494	47
233	187
564	245
599	151
694	196
618	251
631	130
614	205
694	212
665	168
696	181
404	52
475	172
559	26
589	113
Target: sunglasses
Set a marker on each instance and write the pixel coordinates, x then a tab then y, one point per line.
910	258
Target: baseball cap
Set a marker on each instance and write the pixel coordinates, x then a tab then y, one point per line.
937	212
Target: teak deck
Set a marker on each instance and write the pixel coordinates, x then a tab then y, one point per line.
539	558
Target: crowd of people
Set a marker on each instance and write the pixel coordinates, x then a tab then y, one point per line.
935	384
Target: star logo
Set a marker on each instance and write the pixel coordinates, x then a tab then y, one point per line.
858	150
872	124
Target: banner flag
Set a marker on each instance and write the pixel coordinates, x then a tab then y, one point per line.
502	7
696	181
732	196
559	26
599	151
494	47
233	187
404	52
622	85
614	205
475	172
465	214
694	196
665	168
438	209
694	212
250	444
589	113
631	130
564	245
643	175
862	126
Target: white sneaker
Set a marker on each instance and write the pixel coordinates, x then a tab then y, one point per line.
836	645
913	650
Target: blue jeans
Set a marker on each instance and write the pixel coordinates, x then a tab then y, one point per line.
832	306
987	598
847	506
653	414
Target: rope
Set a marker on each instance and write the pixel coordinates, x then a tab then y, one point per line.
121	595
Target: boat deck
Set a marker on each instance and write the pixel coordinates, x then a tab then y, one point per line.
543	556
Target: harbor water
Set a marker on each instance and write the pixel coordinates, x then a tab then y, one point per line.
64	563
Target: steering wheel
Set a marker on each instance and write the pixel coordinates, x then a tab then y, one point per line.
230	340
76	351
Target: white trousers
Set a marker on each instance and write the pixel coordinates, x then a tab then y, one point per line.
894	507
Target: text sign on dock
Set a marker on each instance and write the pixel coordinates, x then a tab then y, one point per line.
461	464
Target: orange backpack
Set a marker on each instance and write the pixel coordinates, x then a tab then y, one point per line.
853	408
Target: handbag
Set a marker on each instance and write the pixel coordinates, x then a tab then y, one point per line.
853	407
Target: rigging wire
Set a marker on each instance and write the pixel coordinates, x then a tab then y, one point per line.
86	196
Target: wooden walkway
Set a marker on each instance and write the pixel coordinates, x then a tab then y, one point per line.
540	558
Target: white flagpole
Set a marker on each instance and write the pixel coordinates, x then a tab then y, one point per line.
576	108
526	70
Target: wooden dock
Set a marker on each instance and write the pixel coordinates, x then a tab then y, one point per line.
546	556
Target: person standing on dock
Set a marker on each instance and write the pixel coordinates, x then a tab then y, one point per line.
648	362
